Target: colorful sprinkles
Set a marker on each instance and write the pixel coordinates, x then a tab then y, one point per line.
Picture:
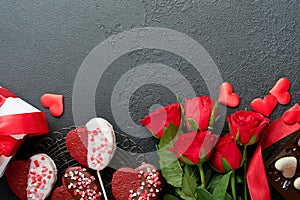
81	184
40	178
101	145
150	185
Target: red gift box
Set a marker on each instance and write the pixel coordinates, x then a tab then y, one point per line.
18	120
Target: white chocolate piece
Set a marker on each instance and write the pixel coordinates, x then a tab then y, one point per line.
297	183
101	143
287	165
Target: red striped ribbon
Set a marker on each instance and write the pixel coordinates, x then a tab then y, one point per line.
31	124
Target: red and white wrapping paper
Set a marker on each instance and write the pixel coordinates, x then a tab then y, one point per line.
18	119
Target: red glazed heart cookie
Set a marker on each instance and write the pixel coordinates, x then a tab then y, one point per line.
227	97
264	106
78	183
93	145
32	179
133	184
280	91
54	102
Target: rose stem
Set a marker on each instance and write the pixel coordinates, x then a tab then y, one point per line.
202	175
102	186
233	190
245	172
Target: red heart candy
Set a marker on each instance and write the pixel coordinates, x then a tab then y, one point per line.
227	97
75	181
264	106
128	182
25	177
2	100
54	102
292	115
280	91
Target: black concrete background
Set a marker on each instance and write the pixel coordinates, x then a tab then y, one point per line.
43	43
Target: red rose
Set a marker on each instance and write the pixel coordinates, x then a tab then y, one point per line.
227	156
247	126
198	109
160	119
194	147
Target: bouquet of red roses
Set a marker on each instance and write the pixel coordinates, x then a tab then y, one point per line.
198	163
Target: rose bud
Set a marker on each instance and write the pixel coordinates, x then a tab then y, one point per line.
160	119
227	156
247	126
198	110
194	147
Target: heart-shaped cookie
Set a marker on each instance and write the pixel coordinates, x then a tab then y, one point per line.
54	102
292	115
93	145
227	97
77	183
280	91
264	106
140	183
287	165
32	179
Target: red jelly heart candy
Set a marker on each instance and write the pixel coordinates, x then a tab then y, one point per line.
292	115
54	102
264	106
227	97
280	91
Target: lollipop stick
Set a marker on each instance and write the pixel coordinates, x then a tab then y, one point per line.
102	186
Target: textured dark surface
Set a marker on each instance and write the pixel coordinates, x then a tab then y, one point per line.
42	45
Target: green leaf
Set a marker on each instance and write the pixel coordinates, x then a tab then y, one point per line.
226	165
219	192
252	140
208	175
168	136
189	181
169	164
187	161
238	179
170	167
203	194
212	119
184	196
193	124
214	182
170	197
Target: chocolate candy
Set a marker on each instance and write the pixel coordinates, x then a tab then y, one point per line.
283	168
